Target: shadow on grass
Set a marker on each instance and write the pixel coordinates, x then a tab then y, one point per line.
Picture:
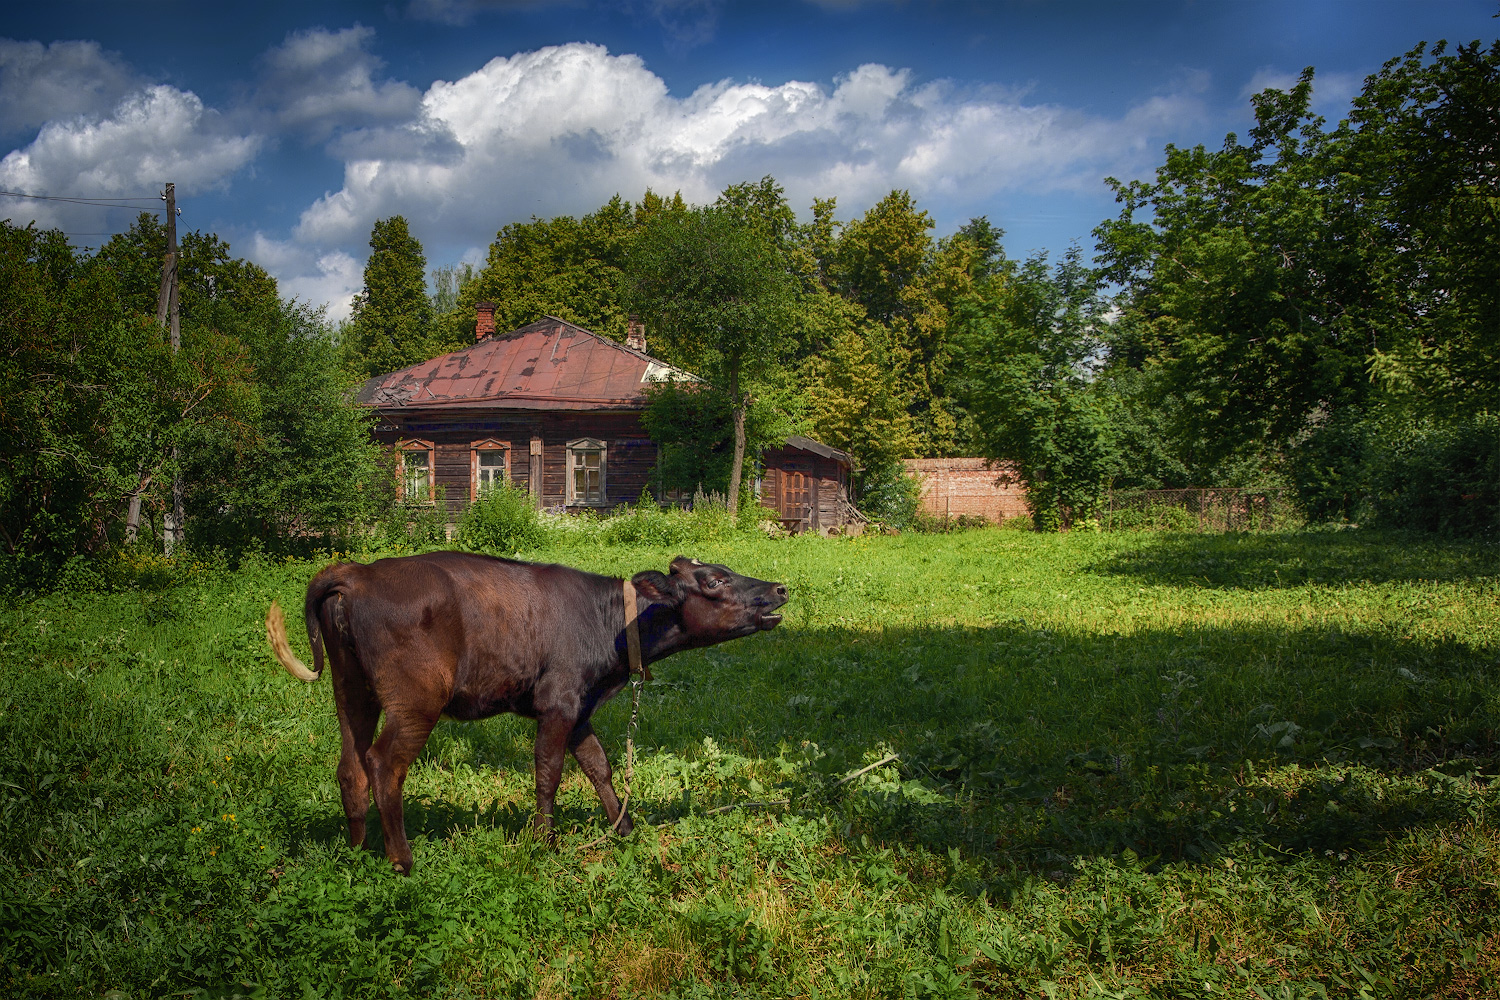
1260	561
1017	744
1029	747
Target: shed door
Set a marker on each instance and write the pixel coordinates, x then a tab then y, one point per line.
793	495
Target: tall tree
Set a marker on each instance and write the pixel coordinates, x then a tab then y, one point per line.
1029	379
1426	135
392	322
719	292
302	466
887	262
448	282
854	405
565	267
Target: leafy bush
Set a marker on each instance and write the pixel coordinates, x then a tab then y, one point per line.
1153	516
1399	471
888	494
503	519
938	524
647	523
1437	475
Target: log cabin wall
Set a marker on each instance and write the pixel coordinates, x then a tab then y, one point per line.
629	458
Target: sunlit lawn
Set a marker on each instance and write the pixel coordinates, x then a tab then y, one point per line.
1129	764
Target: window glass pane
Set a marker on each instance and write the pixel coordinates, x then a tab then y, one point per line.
491	470
417	474
588	476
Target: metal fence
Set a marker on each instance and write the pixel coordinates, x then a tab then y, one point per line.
1206	509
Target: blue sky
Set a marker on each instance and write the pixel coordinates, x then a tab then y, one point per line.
288	128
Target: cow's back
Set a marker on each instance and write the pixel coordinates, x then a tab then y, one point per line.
477	634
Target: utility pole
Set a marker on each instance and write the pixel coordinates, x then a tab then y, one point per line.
166	316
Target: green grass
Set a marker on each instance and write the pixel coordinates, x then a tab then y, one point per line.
1129	765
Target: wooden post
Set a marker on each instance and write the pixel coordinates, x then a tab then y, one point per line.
814	499
535	472
167	316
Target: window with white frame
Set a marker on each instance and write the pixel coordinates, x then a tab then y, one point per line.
489	465
415	469
587	466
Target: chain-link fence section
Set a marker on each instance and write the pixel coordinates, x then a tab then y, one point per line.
1201	510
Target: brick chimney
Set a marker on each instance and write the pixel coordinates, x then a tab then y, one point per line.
635	334
484	320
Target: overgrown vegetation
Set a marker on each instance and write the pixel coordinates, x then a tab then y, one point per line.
96	411
1125	765
503	518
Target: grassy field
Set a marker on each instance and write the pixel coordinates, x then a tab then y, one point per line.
1127	765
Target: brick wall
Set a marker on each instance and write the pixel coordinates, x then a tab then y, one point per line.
968	486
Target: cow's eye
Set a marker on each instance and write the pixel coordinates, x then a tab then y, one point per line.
712	583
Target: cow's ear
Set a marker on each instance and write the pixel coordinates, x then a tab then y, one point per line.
683	566
658	588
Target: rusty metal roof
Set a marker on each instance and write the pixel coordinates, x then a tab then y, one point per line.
547	365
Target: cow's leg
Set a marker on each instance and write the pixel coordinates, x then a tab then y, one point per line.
358	713
401	739
552	732
591	757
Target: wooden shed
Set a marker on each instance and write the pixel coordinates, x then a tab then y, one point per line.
807	482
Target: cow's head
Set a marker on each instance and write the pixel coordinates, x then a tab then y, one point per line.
713	603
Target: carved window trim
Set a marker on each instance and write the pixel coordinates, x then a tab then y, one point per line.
404	487
578	448
476	448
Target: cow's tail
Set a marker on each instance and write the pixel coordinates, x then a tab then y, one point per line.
318	591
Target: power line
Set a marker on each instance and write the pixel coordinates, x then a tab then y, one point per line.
121	202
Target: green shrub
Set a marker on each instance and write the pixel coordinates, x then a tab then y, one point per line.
1399	471
937	524
889	495
1153	516
1436	475
647	523
503	519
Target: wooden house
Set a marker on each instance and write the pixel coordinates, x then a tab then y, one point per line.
556	410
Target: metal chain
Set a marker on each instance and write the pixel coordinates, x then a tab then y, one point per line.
635	713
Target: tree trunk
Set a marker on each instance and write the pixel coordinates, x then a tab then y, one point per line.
172	523
133	512
739	444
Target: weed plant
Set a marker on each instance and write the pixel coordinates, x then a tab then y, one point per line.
503	518
1124	765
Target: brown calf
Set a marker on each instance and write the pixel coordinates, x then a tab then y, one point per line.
471	636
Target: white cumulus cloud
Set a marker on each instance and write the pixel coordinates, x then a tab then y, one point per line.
156	134
311	275
561	129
